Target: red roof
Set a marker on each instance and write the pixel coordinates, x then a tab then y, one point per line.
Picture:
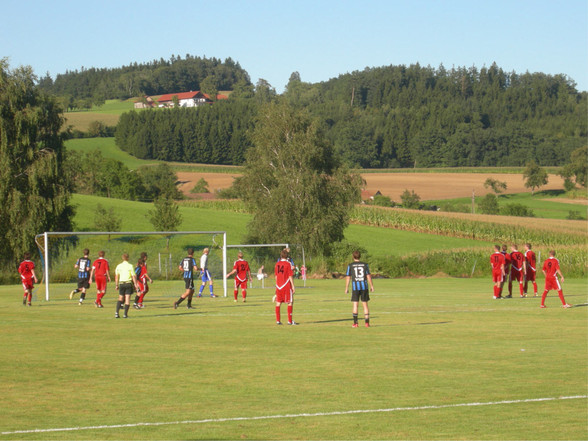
181	96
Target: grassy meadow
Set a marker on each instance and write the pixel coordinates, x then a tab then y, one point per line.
442	360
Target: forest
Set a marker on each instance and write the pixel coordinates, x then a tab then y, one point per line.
384	117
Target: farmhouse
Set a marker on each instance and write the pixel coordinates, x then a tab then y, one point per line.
145	103
187	99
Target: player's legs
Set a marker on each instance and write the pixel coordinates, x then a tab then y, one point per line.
366	313
290	310
120	301
278	312
354	313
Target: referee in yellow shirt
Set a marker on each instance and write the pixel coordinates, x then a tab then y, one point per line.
125	280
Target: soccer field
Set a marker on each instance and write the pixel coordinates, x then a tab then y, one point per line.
442	360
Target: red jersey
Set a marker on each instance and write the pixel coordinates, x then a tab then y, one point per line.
283	271
100	267
496	260
517	260
550	266
242	268
25	269
531	260
142	275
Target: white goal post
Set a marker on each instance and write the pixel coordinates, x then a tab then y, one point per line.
44	247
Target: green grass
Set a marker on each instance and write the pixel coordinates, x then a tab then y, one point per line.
114	107
434	342
544	203
108	149
390	242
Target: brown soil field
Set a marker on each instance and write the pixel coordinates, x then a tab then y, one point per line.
432	186
429	186
216	181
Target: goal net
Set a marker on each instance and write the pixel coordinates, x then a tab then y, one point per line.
262	259
59	252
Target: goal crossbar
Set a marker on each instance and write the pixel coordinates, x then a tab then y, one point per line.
45	247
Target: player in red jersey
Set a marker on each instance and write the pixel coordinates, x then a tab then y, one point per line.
241	267
531	264
100	273
497	263
506	266
142	277
26	269
517	270
284	286
551	270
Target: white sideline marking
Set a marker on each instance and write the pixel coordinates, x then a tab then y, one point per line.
298	415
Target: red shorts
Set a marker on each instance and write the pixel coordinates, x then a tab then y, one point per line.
497	276
101	284
531	275
240	284
516	275
284	295
142	287
27	284
552	283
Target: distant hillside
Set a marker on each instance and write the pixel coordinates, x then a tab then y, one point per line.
95	85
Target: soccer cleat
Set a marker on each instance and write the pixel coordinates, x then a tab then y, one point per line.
80	303
29	304
136	306
175	305
508	296
355	325
566	306
523	296
200	295
212	295
542	306
116	315
244	300
235	300
292	323
96	304
100	305
125	316
367	325
189	307
497	297
278	323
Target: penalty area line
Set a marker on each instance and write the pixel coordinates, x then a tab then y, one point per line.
298	415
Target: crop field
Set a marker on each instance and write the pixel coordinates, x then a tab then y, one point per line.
442	360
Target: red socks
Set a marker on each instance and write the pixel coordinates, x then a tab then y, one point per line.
278	314
290	307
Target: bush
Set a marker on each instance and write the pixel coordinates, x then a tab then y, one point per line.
454	207
200	187
489	204
383	201
517	210
410	199
575	215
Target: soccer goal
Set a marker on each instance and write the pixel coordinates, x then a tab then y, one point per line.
59	252
263	257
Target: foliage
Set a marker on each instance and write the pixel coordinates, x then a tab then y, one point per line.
577	168
200	187
496	185
534	176
93	174
106	220
383	201
165	215
81	89
34	188
575	215
214	134
489	204
293	184
517	210
410	199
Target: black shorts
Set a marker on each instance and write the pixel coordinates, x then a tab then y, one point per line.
189	283
363	295
83	283
125	289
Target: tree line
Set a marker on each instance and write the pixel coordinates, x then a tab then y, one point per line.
87	86
388	117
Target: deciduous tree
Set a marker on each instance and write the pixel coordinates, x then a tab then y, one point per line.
34	188
534	176
295	186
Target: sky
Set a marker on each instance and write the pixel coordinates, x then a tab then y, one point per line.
319	39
